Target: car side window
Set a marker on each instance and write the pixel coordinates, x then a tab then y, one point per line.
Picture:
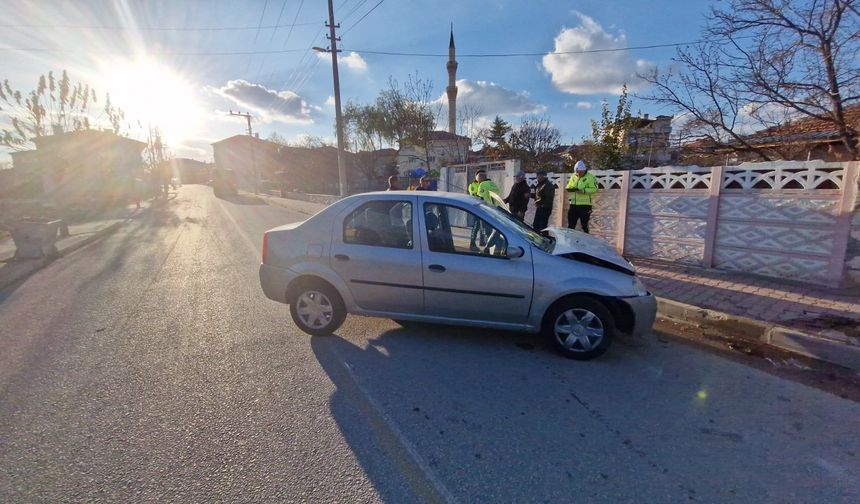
452	230
383	223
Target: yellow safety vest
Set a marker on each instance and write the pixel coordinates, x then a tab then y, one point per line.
473	188
587	186
484	190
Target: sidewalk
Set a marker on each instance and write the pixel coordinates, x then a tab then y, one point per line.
80	234
812	320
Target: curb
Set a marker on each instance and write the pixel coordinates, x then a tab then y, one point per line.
756	331
34	265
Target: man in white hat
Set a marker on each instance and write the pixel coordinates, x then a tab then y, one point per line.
581	186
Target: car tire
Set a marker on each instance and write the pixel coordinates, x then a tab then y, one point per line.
317	308
579	327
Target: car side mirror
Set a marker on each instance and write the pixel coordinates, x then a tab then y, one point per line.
515	252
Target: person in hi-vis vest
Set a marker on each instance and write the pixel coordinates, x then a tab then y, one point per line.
580	188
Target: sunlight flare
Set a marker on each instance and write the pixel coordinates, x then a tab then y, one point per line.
154	95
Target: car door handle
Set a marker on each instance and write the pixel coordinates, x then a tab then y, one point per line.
341	257
437	267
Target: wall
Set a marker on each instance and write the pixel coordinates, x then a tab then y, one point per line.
784	219
852	259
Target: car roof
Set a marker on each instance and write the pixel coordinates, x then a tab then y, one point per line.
458	197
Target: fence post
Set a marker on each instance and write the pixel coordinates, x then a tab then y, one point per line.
842	229
713	215
560	218
621	223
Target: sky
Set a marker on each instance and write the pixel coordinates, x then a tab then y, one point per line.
182	65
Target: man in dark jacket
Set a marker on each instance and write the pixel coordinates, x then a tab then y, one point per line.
544	197
518	197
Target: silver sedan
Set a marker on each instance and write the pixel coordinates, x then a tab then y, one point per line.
452	259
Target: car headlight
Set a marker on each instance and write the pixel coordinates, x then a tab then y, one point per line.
639	287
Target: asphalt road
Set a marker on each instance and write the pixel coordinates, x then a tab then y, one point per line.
150	367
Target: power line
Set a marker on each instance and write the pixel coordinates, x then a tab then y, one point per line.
303	68
290	32
353	11
545	53
262	17
283	6
362	17
151	53
294	23
159	28
363	51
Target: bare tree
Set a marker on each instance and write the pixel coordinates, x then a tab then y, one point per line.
365	132
534	139
798	55
410	111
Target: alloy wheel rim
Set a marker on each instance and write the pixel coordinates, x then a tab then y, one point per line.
578	330
314	309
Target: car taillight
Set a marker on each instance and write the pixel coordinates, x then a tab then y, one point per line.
265	246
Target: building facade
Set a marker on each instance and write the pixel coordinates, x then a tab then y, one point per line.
443	149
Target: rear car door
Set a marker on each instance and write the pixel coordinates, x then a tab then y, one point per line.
373	251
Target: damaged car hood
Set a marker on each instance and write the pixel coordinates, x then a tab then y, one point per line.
575	244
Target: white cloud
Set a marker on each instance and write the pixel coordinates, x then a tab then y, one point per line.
584	105
330	101
353	61
194	148
592	73
493	99
268	104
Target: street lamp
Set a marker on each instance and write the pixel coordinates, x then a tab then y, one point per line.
341	167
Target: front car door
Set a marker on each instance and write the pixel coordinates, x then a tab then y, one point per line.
373	251
472	281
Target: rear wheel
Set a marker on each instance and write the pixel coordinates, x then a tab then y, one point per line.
317	309
579	327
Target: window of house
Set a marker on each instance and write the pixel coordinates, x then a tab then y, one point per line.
383	223
454	230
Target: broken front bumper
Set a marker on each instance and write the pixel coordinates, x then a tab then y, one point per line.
644	309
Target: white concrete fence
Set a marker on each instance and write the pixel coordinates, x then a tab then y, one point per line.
795	220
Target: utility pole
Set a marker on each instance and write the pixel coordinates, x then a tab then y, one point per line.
341	167
247	116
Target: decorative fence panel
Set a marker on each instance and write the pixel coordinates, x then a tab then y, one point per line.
784	219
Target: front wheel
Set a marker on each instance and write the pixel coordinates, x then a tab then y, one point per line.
317	309
579	327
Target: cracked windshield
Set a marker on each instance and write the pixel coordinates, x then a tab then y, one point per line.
485	251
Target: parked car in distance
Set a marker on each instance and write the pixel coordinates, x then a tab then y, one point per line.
224	183
409	256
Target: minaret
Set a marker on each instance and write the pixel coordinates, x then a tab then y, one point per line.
452	85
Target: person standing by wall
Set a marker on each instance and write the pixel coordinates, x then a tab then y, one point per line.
476	224
544	197
485	187
424	184
518	197
580	188
393	183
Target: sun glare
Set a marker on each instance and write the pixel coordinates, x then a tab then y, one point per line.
153	96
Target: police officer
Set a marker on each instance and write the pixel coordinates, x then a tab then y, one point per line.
581	186
485	187
473	185
476	224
